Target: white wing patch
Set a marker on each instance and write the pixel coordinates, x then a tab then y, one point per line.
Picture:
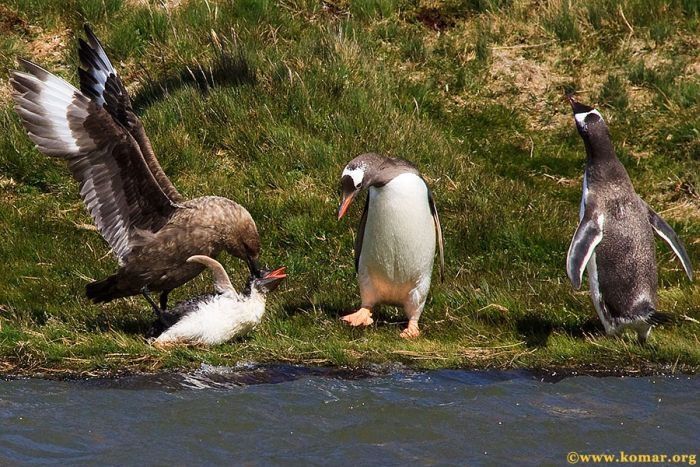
52	102
99	86
97	65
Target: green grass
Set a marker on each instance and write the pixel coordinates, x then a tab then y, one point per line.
471	91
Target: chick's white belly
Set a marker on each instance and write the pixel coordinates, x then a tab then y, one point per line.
215	322
398	246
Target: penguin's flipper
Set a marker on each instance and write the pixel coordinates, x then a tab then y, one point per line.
438	229
588	235
665	231
361	235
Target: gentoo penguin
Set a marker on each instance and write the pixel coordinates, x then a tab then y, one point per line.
615	236
395	243
149	226
215	318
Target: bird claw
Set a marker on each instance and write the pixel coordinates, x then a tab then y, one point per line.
156	309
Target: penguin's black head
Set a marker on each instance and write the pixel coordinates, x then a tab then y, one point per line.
588	120
267	282
358	174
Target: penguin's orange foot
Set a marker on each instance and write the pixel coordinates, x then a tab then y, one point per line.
362	317
412	331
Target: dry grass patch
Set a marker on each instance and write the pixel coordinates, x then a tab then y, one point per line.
5	93
640	98
50	46
167	5
10	21
526	84
683	211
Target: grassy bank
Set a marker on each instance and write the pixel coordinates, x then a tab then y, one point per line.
264	102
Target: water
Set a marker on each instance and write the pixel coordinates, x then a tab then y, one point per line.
289	415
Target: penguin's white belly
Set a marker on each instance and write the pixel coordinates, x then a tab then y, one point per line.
216	321
398	246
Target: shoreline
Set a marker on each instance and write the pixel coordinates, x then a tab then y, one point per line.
56	351
300	369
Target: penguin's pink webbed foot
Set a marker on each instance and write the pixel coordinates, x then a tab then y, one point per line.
412	331
362	317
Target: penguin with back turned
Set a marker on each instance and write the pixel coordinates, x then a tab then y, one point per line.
615	236
395	243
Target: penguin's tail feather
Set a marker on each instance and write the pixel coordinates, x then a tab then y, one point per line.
658	317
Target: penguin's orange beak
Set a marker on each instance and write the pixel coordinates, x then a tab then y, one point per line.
271	280
345	203
279	273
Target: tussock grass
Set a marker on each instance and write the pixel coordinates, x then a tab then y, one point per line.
264	102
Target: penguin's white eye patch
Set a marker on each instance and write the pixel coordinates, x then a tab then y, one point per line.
357	174
581	117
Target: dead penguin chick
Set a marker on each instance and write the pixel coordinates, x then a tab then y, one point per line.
215	318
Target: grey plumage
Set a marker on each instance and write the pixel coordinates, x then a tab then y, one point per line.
615	236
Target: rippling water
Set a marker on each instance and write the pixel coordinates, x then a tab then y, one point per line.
284	415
